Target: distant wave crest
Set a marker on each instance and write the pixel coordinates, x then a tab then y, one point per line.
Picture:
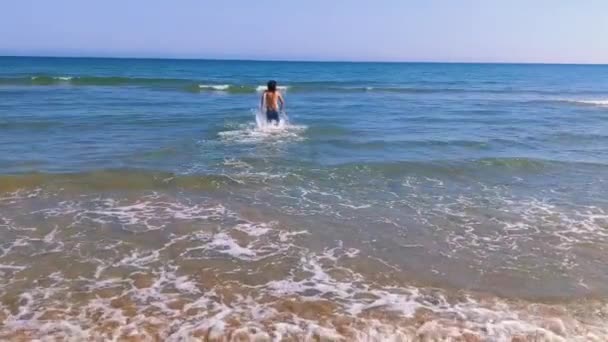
202	85
603	103
263	87
219	87
191	85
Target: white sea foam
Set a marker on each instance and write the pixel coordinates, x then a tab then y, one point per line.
152	310
253	229
262	88
11	267
147	213
19	195
60	78
225	244
602	103
218	87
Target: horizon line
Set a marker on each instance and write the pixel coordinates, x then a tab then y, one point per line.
281	60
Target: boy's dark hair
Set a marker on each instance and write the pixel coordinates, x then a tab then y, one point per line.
272	86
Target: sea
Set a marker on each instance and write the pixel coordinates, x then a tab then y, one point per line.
149	200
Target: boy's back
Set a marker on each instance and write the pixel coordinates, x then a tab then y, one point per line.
272	101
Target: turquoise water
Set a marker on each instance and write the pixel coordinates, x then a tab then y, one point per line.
394	191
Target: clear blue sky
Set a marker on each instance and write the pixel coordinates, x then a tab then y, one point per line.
567	31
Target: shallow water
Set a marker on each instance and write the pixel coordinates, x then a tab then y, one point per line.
142	200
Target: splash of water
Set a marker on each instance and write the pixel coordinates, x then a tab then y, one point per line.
263	124
264	131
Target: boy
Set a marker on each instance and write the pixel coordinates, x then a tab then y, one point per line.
273	101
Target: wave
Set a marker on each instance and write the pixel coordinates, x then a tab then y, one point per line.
219	87
113	180
602	103
45	80
196	85
456	168
231	88
190	85
108	81
131	179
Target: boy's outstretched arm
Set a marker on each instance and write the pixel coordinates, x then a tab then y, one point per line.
281	101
